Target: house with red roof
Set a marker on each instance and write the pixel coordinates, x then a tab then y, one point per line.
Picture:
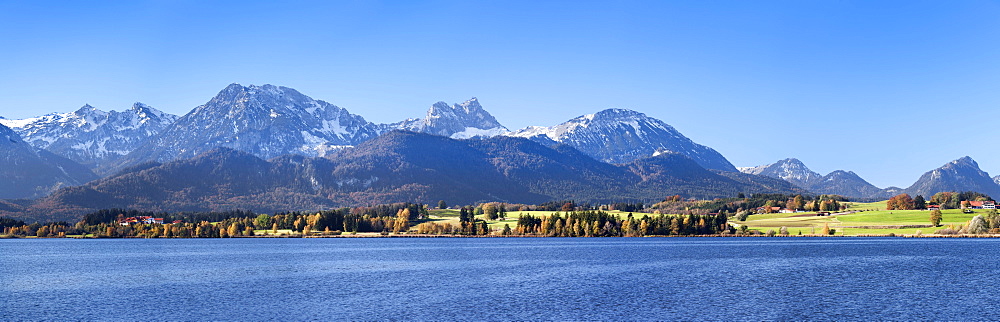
982	205
140	220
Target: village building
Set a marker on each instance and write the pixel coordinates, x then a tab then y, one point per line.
982	205
139	220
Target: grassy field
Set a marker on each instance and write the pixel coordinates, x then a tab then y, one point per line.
878	222
867	206
905	217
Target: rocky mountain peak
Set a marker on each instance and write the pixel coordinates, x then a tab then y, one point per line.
471	105
460	121
615	114
842	173
620	135
87	108
965	161
791	170
90	114
959	175
265	120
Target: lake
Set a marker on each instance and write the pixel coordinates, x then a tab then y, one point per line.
500	279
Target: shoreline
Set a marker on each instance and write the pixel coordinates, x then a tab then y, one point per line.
529	236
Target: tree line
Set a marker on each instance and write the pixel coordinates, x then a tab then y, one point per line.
944	200
592	223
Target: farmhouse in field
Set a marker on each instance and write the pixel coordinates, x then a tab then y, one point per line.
981	205
933	207
140	220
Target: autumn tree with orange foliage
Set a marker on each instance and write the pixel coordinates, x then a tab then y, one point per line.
900	202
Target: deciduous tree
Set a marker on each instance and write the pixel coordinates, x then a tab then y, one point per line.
936	217
900	202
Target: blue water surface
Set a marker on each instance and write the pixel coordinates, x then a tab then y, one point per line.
500	279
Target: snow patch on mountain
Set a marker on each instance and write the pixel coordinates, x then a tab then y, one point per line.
472	132
459	121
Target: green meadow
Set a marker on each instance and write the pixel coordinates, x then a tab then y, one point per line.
864	222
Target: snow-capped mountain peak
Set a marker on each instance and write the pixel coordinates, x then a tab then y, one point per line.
264	120
620	135
89	135
791	170
460	121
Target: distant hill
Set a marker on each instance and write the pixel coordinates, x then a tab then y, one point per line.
844	183
397	166
960	175
847	183
791	170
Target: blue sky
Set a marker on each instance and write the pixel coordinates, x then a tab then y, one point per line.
888	89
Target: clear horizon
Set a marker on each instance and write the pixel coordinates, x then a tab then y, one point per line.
888	90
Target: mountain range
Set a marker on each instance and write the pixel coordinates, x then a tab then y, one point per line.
959	175
399	165
302	153
844	183
269	121
90	136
